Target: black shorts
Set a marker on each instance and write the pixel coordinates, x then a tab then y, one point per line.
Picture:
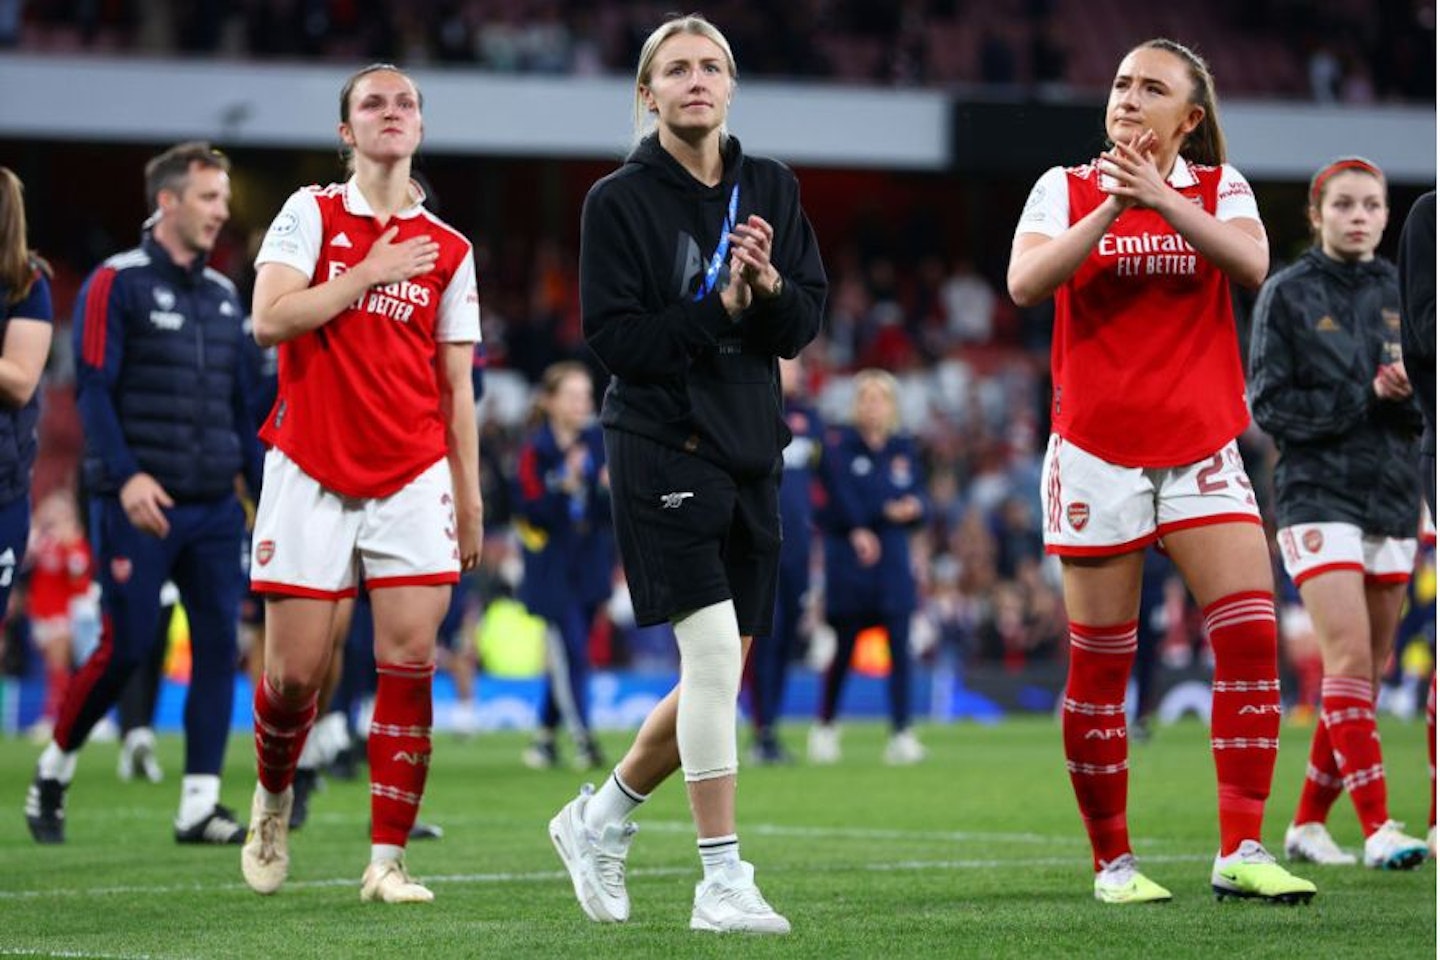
691	535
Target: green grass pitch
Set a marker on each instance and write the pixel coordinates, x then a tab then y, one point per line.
976	853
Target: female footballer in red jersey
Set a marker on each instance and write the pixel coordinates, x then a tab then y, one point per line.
1327	382
1139	248
373	467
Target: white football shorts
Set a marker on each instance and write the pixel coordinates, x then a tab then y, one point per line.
1310	549
313	542
1094	508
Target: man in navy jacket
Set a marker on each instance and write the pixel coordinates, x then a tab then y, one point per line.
164	400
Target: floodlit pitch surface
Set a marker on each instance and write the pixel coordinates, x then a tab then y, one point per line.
976	853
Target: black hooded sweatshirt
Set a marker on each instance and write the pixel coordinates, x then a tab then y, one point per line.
683	372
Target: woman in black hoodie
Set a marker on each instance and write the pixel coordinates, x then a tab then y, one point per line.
698	269
1327	382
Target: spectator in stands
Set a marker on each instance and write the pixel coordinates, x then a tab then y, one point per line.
1049	53
693	439
164	400
1325	73
874	500
1139	249
969	304
563	493
1328	383
371	474
25	319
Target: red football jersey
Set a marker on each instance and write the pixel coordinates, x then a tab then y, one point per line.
359	401
59	573
1145	358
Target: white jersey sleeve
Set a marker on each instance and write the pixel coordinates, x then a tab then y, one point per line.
294	236
1233	198
1047	210
459	318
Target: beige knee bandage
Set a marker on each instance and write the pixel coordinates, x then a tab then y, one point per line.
710	667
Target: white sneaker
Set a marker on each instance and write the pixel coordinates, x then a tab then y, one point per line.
1312	843
466	718
387	881
265	858
823	747
904	750
1390	849
596	862
729	902
137	757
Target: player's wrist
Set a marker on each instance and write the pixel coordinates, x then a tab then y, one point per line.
771	288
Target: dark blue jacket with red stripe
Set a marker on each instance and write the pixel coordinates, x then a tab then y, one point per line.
857	483
162	383
565	537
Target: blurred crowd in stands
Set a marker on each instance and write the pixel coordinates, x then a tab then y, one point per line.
1328	50
973	369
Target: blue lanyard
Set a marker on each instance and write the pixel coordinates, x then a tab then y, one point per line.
712	272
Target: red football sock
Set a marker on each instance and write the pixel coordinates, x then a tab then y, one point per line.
1322	786
399	749
1244	712
1093	721
280	731
1348	708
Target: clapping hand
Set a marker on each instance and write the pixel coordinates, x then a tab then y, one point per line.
737	295
1129	174
752	242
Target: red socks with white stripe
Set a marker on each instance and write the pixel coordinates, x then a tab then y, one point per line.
1347	705
1322	786
399	749
1245	710
1093	721
280	731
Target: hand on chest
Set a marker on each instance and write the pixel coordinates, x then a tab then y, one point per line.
406	301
